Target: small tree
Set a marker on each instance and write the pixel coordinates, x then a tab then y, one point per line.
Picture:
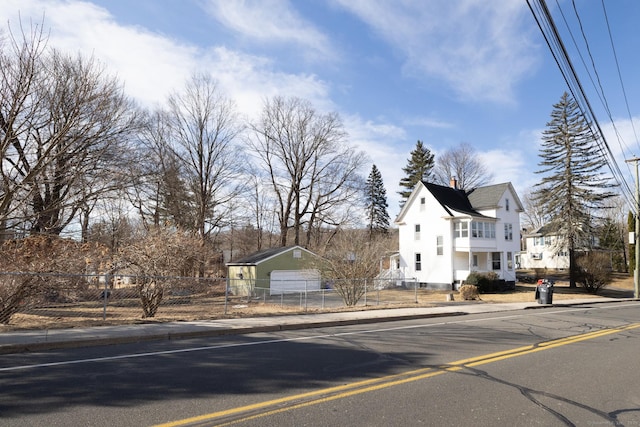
418	168
594	271
376	198
351	262
158	258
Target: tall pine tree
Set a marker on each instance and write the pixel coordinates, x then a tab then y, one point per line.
419	168
573	186
376	200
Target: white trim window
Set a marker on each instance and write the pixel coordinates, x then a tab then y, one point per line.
508	232
483	230
439	245
461	229
418	261
416	232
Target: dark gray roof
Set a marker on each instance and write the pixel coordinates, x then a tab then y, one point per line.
256	257
468	202
451	198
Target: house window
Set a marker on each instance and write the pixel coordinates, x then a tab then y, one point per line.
475	261
423	203
506	205
483	230
418	262
508	232
495	260
538	241
297	253
510	260
439	245
461	229
416	234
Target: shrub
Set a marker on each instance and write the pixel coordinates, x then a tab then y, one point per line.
485	282
469	292
594	271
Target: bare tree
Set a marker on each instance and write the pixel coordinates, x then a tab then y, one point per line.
158	258
311	170
160	193
63	134
203	126
463	163
352	261
534	214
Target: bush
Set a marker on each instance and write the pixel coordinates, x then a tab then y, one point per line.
594	271
469	292
485	282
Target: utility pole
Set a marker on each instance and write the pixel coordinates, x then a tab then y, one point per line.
636	279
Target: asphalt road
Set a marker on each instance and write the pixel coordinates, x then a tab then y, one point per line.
553	366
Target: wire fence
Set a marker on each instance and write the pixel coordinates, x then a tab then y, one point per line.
47	300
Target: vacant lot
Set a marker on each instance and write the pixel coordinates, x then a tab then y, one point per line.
129	312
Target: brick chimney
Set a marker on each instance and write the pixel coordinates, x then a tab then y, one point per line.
453	183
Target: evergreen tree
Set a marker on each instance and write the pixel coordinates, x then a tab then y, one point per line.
573	186
419	168
376	199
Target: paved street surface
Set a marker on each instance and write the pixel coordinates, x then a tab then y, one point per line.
574	364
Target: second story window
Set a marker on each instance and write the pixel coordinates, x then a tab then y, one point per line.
461	229
508	232
483	230
418	262
439	245
416	232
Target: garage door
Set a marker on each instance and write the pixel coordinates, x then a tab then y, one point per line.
289	281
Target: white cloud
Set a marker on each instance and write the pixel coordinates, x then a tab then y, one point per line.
477	47
381	141
153	65
271	22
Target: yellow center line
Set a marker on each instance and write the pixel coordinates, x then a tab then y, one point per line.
365	386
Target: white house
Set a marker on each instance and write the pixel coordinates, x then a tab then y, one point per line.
445	233
543	249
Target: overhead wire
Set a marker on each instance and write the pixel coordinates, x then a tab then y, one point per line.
559	52
615	57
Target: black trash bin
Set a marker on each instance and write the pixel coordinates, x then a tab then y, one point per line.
545	293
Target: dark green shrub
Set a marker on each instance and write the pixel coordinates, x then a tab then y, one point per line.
486	282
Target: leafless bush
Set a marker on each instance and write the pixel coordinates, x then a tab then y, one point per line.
159	252
594	271
469	292
59	258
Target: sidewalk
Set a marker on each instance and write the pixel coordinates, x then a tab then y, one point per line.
23	341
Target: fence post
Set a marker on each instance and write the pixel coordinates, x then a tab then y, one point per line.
226	294
365	292
306	294
415	287
105	296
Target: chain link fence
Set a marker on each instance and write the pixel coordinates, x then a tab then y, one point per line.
47	300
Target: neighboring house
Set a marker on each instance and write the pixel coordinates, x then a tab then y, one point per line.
276	270
446	233
543	249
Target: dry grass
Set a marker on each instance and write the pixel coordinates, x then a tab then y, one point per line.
214	308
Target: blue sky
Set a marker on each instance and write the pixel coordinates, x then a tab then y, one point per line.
441	71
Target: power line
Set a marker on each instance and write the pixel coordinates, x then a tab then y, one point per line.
552	37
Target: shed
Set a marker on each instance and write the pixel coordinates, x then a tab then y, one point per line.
276	270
